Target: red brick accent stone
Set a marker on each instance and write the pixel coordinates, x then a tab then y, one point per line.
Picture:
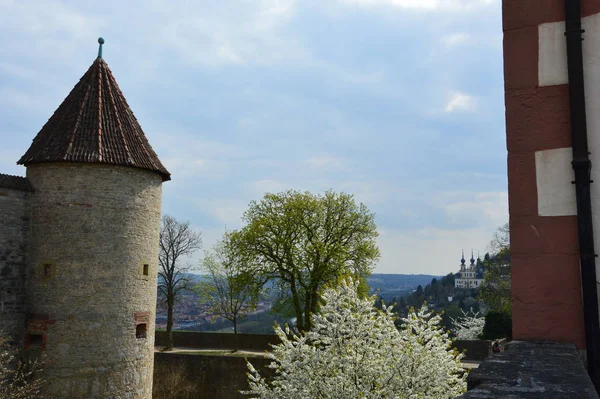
522	186
142	317
521	67
544	235
538	119
547	298
520	13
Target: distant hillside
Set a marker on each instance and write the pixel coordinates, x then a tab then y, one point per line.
383	282
389	282
191	315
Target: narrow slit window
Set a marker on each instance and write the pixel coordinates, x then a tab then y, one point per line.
140	331
36	341
47	269
146	270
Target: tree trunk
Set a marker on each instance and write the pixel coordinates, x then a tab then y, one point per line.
307	311
169	345
235	333
314	300
297	307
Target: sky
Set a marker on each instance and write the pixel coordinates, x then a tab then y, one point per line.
399	102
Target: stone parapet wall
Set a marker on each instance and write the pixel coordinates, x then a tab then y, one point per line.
532	370
206	340
213	377
14	236
473	349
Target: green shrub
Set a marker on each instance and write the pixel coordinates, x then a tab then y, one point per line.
497	325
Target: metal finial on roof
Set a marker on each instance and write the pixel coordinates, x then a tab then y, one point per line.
101	42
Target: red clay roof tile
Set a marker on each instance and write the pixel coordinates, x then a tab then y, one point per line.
15	182
94	124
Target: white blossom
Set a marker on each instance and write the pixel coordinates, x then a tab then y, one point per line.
18	379
355	351
469	326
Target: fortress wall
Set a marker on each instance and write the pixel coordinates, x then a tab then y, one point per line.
208	340
14	233
94	228
213	377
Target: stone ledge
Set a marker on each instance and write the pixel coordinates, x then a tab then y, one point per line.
532	370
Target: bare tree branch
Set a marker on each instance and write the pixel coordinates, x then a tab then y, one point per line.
177	241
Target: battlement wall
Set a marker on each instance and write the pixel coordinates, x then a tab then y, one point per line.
15	206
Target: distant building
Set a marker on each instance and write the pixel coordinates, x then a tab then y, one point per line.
470	277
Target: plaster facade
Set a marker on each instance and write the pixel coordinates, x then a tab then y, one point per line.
546	280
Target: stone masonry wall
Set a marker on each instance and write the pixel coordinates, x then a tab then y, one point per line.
92	309
207	340
14	231
213	377
531	370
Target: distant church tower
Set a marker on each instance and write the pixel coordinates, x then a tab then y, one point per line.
90	288
469	276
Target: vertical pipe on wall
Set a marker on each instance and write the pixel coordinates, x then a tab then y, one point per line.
582	167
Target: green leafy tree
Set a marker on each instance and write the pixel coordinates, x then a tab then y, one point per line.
496	288
306	242
497	325
229	291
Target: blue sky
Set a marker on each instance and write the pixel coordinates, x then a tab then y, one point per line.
399	102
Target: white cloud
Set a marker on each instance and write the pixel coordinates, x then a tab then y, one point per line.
431	5
429	250
461	102
204	33
58	30
455	39
324	162
186	167
226	212
15	98
230	213
260	187
215	34
491	209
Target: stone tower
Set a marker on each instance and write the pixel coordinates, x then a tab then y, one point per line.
93	244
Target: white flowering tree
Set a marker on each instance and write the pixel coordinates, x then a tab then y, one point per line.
469	326
355	351
18	378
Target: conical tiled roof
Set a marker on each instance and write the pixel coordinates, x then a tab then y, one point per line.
94	124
